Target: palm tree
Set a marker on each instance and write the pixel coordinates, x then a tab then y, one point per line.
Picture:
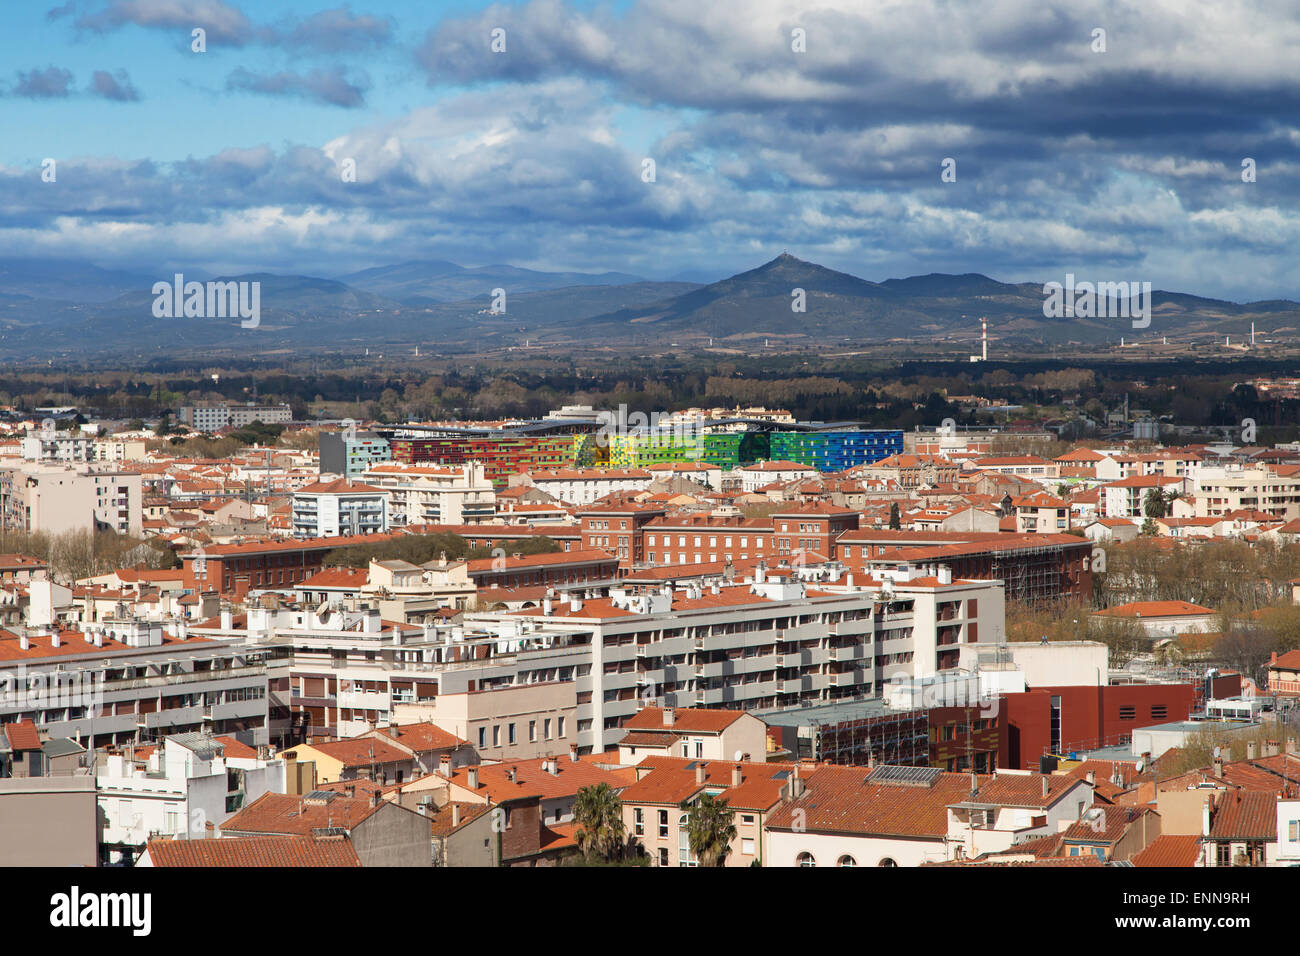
710	828
599	814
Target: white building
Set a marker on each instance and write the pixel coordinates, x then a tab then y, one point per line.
178	789
431	494
330	509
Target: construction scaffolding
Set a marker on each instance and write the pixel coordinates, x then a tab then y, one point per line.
899	738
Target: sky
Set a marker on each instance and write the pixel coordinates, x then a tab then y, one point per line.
823	129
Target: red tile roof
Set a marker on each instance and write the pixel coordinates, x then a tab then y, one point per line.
1245	815
23	736
1170	849
685	720
288	813
261	851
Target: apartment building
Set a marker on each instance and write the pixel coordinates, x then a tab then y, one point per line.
1221	489
333	508
585	486
211	418
61	498
77	447
1041	513
232	570
351	456
1126	498
177	789
428	494
127	681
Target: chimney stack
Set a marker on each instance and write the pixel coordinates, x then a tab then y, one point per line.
1046	786
670	717
1218	768
444	765
573	753
55	639
699	772
737	775
1252	749
1092	778
472	778
512	773
455	815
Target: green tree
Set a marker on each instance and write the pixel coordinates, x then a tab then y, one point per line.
1154	504
599	814
710	828
895	519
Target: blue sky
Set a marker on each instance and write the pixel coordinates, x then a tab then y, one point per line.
1123	163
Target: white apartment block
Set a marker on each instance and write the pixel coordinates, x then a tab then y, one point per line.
210	418
1221	489
583	486
423	494
126	681
178	790
71	447
330	509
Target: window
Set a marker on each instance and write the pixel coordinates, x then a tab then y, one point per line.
638	819
684	857
1159	711
663	856
1293	831
546	728
887	862
805	859
747	847
663	830
846	860
559	722
496	735
482	737
532	730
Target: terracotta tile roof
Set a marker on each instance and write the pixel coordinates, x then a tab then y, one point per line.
1148	609
649	739
838	800
357	751
1104	824
1025	790
237	750
261	851
1170	849
1245	815
440	822
23	736
73	643
531	780
288	813
336	578
685	720
422	737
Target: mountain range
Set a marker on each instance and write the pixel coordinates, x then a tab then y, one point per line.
49	307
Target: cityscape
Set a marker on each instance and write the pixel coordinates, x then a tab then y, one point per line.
569	435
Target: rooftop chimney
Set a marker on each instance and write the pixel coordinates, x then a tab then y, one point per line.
455	815
1252	749
699	772
472	775
1046	786
1217	766
55	639
24	643
737	775
573	753
1092	778
670	717
513	774
444	765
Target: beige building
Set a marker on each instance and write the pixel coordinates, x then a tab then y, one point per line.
49	821
63	498
511	723
692	733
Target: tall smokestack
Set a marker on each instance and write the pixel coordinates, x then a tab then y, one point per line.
984	338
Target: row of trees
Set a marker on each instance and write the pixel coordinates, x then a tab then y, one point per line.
81	554
1213	573
603	839
420	548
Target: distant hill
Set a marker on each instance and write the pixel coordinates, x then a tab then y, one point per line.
76	308
421	283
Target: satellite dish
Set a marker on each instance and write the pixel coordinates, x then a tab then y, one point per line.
1216	753
1141	765
740	755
